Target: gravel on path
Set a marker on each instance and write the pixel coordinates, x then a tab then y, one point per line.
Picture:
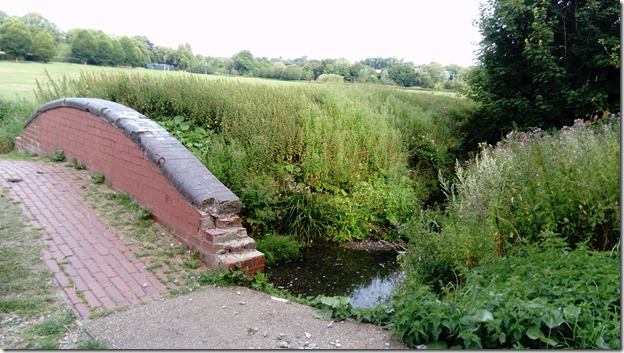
232	318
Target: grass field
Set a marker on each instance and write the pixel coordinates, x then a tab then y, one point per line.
18	80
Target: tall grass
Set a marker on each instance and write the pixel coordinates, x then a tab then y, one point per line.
531	187
13	113
350	148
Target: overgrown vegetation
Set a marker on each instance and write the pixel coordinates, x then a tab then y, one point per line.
12	115
31	315
278	248
315	162
526	252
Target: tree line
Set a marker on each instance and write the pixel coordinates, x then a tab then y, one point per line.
33	37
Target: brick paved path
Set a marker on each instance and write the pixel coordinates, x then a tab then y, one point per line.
97	270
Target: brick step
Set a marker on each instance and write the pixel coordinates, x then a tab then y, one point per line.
220	236
252	259
236	246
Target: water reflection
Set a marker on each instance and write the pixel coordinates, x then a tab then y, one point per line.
364	276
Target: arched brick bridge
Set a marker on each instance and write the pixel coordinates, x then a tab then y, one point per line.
138	156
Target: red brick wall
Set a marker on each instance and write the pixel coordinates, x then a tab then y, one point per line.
103	148
108	151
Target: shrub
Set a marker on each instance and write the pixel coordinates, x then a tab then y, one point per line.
550	297
278	248
12	116
331	78
522	191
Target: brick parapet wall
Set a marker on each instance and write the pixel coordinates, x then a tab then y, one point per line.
138	156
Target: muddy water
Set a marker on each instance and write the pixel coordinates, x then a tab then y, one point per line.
366	276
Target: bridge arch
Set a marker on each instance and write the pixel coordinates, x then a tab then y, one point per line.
138	156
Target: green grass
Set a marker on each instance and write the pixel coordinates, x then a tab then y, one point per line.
18	79
26	290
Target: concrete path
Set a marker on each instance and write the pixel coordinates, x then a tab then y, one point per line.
99	271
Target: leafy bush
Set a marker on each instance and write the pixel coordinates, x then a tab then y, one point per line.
278	248
547	298
525	189
12	115
333	78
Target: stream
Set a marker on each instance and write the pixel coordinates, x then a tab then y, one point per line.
365	276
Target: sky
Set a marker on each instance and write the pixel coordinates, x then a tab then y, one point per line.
419	31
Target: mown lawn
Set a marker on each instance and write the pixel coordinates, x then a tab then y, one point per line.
18	80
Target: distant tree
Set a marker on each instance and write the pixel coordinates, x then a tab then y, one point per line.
244	63
134	56
300	61
332	78
384	77
202	65
15	39
3	17
36	20
431	76
184	58
544	64
362	73
403	74
162	55
342	67
459	79
145	46
314	69
43	46
104	55
84	46
119	56
381	63
292	72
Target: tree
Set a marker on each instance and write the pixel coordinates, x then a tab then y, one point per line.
3	17
431	76
145	46
36	20
119	56
403	74
104	55
184	58
84	46
544	64
43	46
134	56
381	63
162	55
15	39
244	63
314	69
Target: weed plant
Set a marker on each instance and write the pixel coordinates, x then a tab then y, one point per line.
550	297
278	248
530	187
13	113
526	253
352	148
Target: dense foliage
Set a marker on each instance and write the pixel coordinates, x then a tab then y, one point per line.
12	115
548	297
318	162
495	268
544	64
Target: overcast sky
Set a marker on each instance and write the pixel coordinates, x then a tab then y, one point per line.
414	30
